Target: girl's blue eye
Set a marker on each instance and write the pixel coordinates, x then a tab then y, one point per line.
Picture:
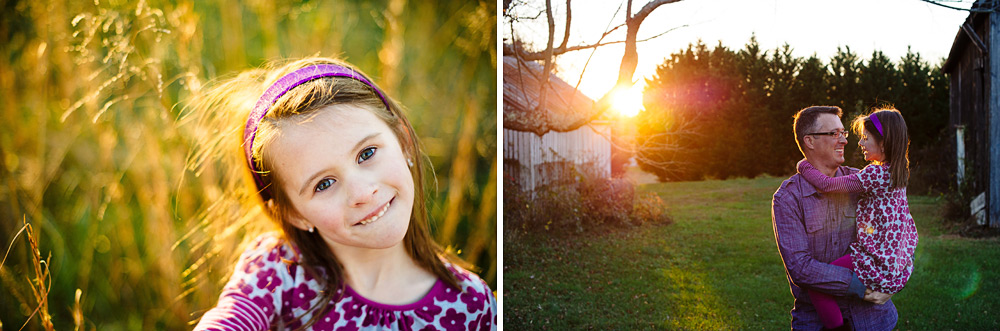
366	154
324	184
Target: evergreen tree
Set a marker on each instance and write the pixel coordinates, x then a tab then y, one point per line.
810	87
724	113
678	134
923	117
879	82
758	82
782	151
843	80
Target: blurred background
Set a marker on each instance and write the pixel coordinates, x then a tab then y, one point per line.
93	152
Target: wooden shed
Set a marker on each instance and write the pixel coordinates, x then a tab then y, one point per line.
558	142
972	66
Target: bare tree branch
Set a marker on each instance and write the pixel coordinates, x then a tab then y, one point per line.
631	58
508	50
606	32
569	17
548	54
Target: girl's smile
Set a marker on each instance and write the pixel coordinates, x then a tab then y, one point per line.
374	216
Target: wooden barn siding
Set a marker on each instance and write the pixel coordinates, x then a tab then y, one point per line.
993	188
975	103
585	145
969	109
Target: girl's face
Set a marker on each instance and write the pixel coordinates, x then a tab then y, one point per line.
345	173
871	149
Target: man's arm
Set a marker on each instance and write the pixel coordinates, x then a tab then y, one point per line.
804	270
843	184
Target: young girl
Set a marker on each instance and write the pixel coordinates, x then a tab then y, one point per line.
882	256
336	166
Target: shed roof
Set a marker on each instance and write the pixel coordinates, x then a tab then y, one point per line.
962	38
565	109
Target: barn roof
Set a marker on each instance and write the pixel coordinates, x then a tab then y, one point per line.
565	109
962	38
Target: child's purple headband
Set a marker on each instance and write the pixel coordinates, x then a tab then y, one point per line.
278	89
878	125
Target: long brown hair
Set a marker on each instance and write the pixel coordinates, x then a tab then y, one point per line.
895	141
227	105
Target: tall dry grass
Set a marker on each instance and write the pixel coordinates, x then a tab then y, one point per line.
93	152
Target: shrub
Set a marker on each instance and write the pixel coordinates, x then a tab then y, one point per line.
587	204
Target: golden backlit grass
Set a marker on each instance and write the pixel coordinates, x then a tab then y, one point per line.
93	151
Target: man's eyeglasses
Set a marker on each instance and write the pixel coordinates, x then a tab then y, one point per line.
835	133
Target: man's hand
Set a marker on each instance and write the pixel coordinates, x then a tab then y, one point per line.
876	297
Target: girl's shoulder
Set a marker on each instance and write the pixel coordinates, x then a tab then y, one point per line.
875	168
875	178
268	250
873	172
469	281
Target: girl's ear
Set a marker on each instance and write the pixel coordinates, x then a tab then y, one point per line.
289	215
298	222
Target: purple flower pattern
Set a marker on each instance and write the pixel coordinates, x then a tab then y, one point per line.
327	322
448	295
353	309
486	323
302	296
351	326
428	312
265	303
453	320
472	300
270	276
268	279
887	235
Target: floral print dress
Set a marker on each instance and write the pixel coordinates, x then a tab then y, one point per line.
882	255
269	291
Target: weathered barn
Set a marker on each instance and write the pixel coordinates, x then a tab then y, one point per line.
557	142
973	66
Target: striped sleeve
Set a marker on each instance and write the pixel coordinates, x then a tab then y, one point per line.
843	184
235	311
250	298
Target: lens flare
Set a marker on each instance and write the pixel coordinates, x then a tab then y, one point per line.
627	102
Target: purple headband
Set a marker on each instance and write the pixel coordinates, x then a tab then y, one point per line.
878	125
278	89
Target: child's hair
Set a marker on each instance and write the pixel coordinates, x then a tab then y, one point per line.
227	105
894	139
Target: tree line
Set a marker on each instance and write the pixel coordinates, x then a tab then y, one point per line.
720	113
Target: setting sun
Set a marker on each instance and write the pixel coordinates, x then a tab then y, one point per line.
627	102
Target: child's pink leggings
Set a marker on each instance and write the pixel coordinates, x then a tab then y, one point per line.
826	306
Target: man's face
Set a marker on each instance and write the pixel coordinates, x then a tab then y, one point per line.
828	150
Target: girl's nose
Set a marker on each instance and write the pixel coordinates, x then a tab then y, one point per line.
362	192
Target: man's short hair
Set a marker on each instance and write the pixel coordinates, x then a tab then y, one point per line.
805	121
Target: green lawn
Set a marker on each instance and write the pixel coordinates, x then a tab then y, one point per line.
717	267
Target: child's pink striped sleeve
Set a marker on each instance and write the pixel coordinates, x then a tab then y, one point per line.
842	184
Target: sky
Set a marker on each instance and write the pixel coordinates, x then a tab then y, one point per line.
808	26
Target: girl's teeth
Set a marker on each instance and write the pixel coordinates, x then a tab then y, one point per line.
376	217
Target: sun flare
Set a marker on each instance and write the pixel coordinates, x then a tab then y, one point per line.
627	102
